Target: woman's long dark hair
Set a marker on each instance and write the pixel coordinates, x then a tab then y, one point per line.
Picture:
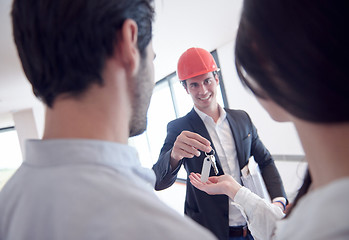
295	53
301	192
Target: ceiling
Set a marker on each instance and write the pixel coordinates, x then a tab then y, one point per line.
179	24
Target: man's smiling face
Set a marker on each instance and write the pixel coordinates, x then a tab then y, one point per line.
203	90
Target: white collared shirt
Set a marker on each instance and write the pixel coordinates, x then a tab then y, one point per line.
87	189
223	141
310	219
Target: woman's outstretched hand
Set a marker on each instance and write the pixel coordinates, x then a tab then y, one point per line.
224	184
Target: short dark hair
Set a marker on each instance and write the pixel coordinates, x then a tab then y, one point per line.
63	44
297	52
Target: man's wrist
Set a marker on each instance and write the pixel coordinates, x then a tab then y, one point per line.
173	163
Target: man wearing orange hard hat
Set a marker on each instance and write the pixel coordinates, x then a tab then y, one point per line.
207	129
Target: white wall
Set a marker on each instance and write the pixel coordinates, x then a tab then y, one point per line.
28	124
25	126
6	120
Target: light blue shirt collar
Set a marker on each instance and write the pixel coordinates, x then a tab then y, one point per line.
70	151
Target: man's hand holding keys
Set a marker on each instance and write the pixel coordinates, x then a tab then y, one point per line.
188	145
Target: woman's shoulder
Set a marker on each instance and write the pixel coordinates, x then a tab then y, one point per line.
321	214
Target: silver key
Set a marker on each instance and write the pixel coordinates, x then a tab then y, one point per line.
214	164
213	161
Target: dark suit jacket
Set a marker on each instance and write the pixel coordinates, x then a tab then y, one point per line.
212	211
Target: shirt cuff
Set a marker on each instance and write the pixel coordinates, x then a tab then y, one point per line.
282	199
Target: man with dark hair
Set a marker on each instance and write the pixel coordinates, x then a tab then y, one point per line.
91	63
233	138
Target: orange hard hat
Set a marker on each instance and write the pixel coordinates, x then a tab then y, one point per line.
195	62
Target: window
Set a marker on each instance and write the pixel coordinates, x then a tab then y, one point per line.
10	154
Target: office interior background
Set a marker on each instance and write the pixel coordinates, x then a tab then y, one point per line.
179	25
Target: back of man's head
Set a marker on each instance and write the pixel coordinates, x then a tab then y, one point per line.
63	44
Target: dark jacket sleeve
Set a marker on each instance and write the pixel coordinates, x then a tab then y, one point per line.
165	176
267	166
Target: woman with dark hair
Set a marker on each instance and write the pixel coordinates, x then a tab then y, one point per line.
292	55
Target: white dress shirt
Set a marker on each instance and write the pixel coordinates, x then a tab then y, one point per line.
87	189
223	141
321	214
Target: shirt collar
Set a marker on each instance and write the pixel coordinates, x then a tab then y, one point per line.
204	117
69	151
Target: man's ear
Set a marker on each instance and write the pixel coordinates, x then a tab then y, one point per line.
127	46
216	78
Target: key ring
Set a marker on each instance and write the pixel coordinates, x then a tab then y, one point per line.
210	154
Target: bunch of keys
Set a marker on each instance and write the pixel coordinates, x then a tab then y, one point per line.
209	161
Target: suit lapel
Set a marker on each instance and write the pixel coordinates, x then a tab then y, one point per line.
237	137
198	125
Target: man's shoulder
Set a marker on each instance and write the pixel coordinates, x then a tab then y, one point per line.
237	113
164	217
335	198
